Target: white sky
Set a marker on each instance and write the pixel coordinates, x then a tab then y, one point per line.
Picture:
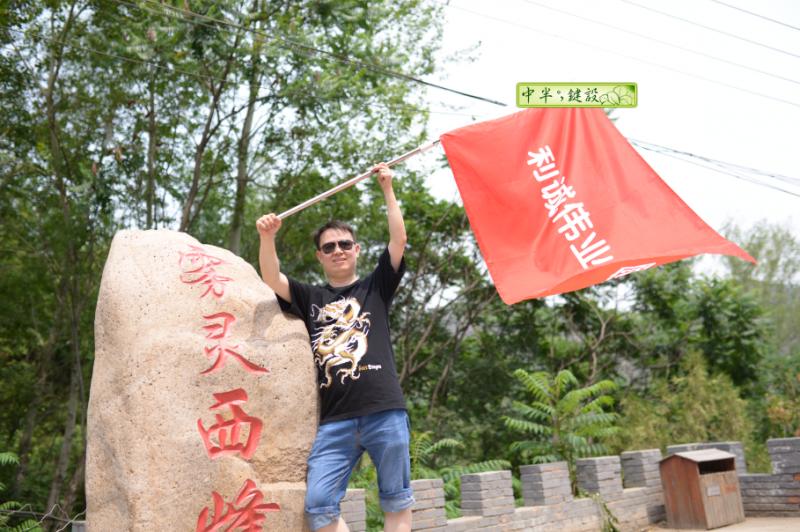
675	110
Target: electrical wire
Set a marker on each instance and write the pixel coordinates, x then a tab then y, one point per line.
700	161
732	166
173	70
291	43
756	14
666	43
733	35
705	162
594	46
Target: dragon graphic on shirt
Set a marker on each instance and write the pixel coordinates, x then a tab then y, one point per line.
341	338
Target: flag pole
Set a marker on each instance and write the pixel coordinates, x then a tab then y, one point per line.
350	182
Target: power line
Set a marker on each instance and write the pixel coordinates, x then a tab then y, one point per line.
756	14
200	77
701	161
594	46
731	166
731	169
290	43
666	43
670	15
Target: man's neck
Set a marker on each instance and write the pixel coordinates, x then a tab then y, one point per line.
343	281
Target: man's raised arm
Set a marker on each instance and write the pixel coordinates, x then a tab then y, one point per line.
268	226
397	228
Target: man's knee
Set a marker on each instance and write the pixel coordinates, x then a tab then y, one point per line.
321	507
397	501
323	520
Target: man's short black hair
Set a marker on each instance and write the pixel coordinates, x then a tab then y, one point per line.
333	224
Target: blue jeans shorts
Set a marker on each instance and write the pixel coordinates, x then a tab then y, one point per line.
338	446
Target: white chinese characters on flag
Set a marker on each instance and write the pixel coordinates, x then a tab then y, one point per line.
559	200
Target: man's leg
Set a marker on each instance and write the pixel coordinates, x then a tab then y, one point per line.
385	436
397	521
340	526
333	456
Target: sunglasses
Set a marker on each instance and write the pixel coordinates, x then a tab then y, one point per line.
329	247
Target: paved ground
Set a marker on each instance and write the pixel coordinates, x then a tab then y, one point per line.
753	524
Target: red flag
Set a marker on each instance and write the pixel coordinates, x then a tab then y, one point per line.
558	200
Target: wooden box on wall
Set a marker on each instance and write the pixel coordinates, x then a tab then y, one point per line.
701	489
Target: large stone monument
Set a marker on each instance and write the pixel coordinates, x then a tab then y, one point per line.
203	402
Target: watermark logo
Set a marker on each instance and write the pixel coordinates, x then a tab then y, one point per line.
576	94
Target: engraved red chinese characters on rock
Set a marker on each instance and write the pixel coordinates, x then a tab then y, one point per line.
219	332
229	433
198	267
247	512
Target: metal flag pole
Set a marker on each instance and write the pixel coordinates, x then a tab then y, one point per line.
350	182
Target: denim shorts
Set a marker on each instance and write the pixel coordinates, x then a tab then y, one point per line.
338	446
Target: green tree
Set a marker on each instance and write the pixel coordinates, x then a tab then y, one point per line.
563	421
774	280
131	114
690	406
731	331
780	376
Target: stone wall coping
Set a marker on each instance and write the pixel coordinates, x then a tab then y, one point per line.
594	459
784	440
643	451
636	507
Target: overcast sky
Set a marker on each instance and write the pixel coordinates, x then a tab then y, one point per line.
519	42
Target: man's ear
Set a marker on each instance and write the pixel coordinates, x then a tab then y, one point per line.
357	248
319	256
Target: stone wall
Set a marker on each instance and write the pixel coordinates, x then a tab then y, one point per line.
354	510
775	494
629	484
487	499
778	493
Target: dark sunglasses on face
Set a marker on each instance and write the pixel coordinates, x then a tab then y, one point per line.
345	245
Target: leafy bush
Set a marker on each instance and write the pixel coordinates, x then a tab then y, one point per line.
691	406
564	421
7	508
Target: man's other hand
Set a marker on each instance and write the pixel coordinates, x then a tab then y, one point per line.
268	225
385	175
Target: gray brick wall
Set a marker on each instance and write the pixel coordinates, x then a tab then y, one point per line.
487	499
778	493
488	504
428	511
601	475
354	510
544	484
487	494
775	494
640	468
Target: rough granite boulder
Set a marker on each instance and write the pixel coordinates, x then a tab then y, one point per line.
203	403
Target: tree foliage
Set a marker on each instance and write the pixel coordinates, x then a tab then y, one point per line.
563	420
691	406
189	115
201	115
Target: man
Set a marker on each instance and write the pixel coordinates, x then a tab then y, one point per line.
362	405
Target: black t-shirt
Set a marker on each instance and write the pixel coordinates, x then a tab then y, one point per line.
349	330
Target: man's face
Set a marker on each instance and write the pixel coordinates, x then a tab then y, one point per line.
338	263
